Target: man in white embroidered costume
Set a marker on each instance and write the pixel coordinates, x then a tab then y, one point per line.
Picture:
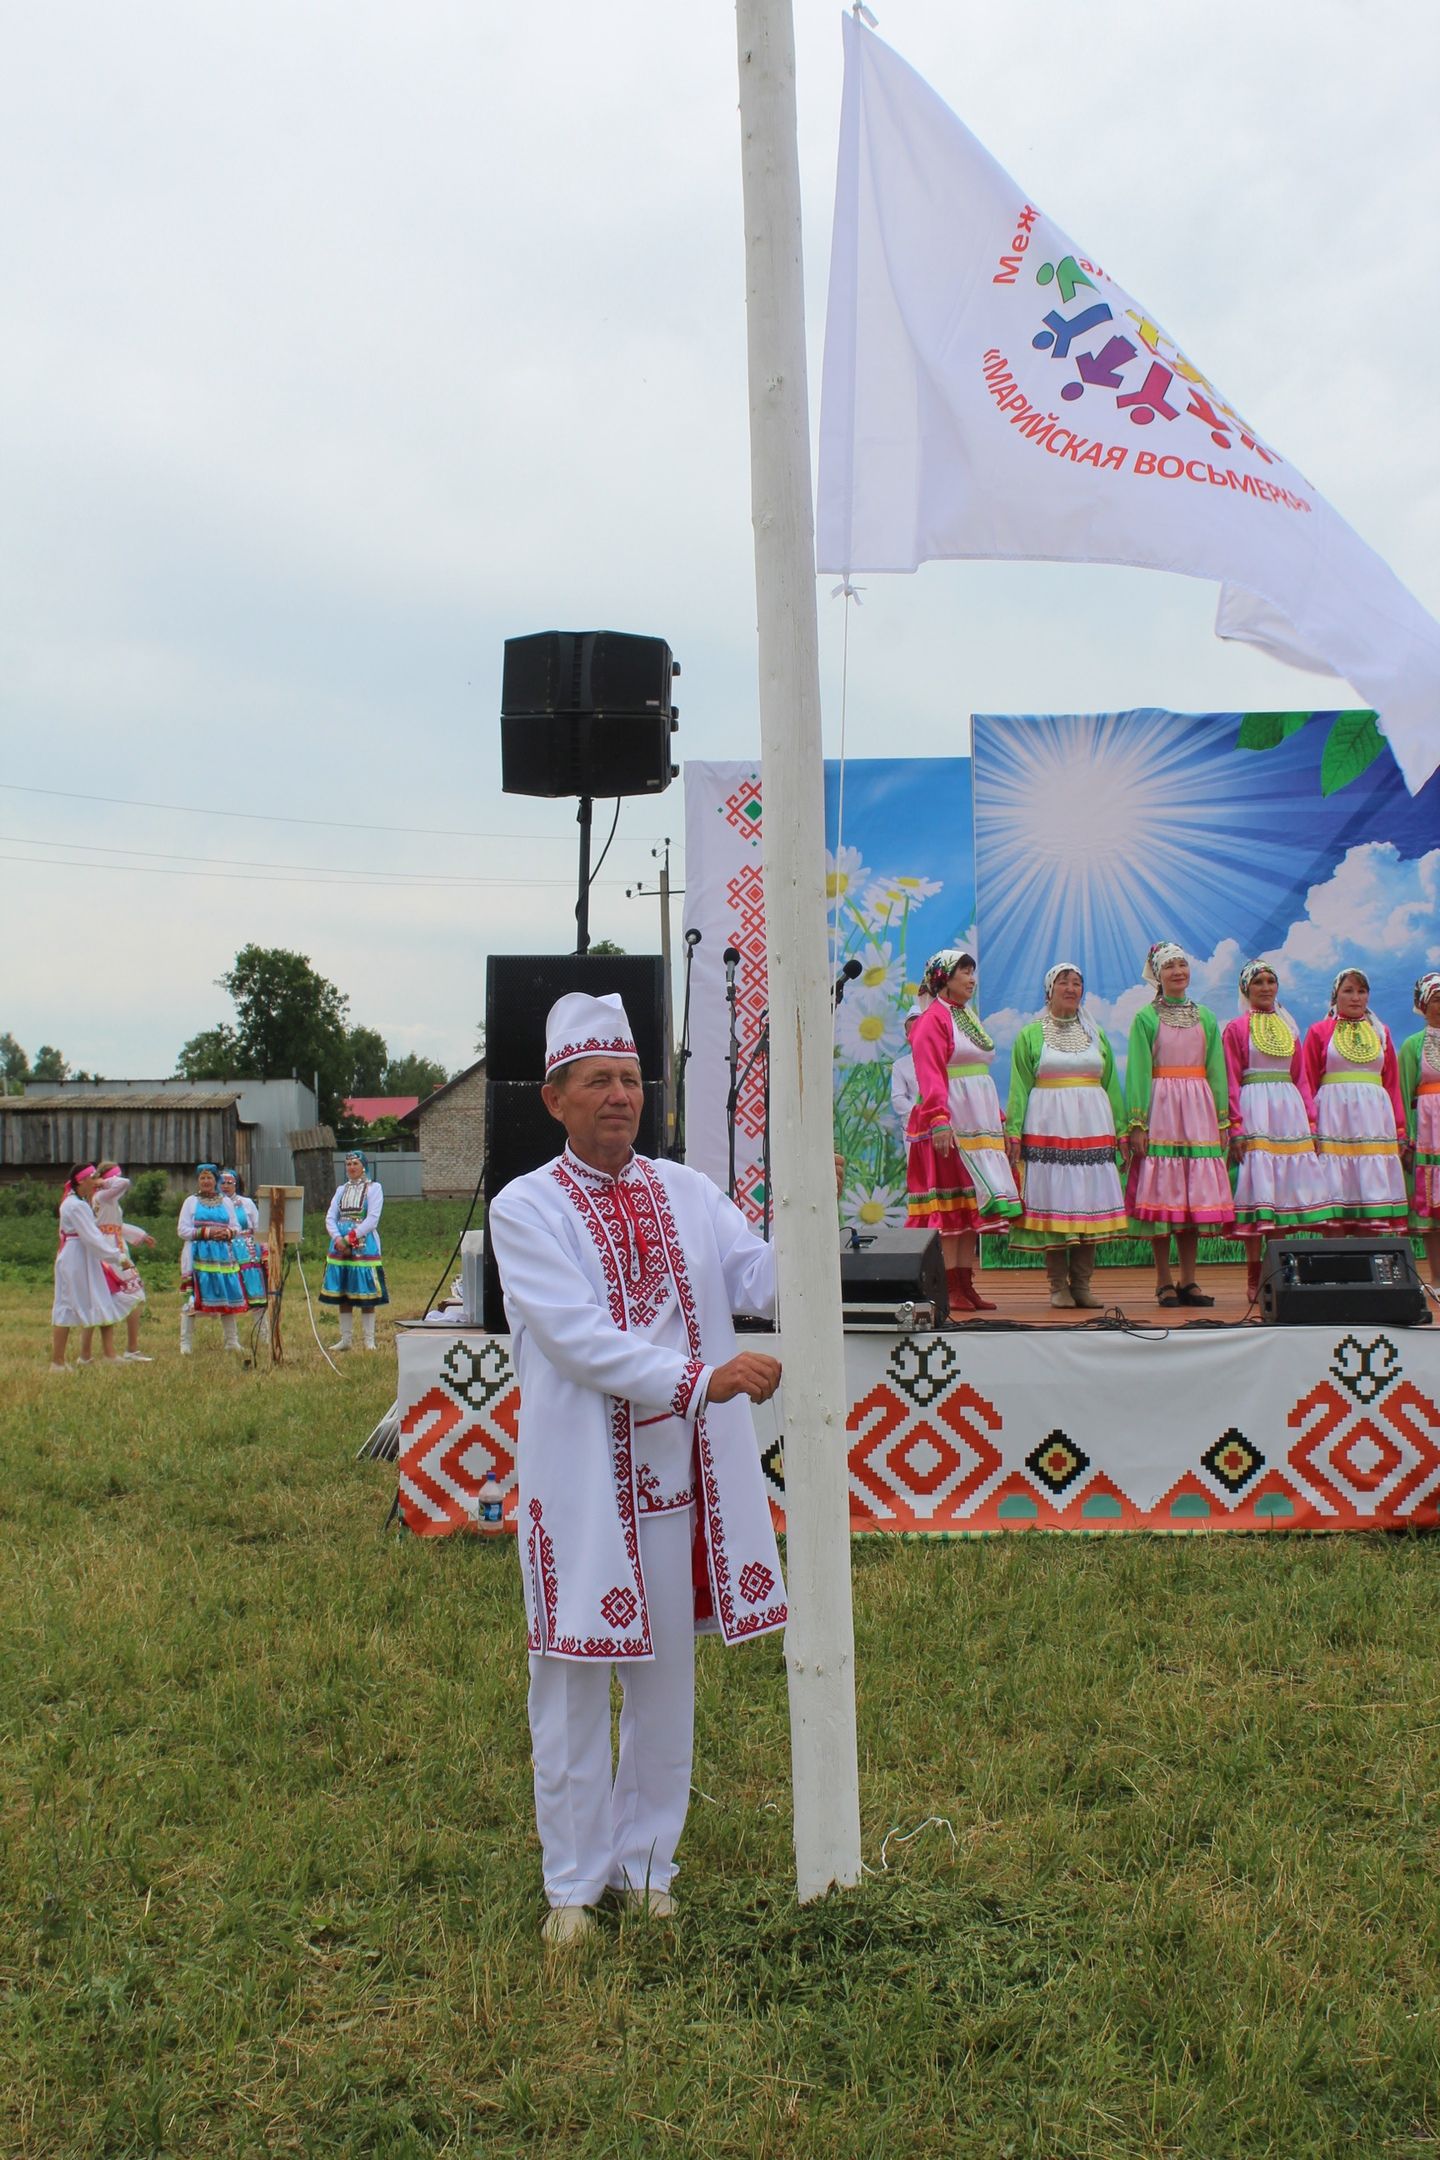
643	1516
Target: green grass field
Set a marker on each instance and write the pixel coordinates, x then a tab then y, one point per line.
271	1884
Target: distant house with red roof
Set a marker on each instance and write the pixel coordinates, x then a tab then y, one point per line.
369	1109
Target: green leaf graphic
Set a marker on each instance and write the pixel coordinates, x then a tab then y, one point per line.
1263	730
1351	747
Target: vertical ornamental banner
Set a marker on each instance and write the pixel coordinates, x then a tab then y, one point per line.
900	880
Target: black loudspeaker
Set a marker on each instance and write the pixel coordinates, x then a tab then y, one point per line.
1328	1282
897	1267
520	988
520	1135
586	712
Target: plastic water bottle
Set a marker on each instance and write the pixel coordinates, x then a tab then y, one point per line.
490	1506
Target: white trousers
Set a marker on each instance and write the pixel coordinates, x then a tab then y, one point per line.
600	1830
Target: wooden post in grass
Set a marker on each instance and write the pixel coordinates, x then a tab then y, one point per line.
819	1643
275	1269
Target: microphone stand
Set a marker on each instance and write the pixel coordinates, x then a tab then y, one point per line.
732	1100
761	1050
682	1057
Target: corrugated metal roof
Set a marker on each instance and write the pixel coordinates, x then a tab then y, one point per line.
84	1105
310	1136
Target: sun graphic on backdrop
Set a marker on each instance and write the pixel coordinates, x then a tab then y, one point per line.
1097	833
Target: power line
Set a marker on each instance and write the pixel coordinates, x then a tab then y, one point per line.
340	878
262	817
332	872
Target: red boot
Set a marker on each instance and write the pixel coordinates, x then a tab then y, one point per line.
961	1289
972	1296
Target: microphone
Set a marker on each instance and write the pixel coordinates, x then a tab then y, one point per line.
847	974
731	958
692	939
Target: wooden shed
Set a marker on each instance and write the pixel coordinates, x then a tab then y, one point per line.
44	1136
314	1151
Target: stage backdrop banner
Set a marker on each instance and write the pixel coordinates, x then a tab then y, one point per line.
900	876
1287	837
1069	1429
964	327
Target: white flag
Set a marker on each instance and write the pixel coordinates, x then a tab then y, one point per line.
990	391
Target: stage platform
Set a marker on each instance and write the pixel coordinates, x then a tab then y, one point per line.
1129	1419
1024	1294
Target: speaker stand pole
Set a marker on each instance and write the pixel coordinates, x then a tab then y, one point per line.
732	1100
582	905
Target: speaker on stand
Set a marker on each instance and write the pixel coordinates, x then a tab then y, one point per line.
587	713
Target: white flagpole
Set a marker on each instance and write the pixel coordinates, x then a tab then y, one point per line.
819	1643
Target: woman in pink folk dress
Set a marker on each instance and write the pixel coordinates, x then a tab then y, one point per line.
1351	1070
1179	1104
1420	1085
1282	1184
959	1180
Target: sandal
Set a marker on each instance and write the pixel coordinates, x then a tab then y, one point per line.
1168	1296
1190	1293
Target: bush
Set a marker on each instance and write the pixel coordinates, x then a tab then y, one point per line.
147	1194
29	1199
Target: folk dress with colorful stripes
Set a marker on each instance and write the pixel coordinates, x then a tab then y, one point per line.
1353	1073
1283	1182
1420	1085
1065	1104
353	1273
970	1187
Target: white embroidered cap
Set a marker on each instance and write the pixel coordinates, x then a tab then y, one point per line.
579	1025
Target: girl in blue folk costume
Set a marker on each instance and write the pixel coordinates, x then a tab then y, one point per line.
353	1273
247	1250
209	1277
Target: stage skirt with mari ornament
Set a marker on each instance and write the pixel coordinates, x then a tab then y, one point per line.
972	1433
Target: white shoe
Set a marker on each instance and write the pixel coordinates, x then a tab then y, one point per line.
185	1349
135	1357
343	1346
657	1904
58	1369
84	1361
566	1926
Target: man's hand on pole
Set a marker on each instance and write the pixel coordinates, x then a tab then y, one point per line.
751	1373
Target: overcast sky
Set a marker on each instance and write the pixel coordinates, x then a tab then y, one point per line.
341	342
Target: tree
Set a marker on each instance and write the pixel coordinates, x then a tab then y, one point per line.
49	1064
413	1075
368	1060
288	1019
606	949
213	1054
14	1066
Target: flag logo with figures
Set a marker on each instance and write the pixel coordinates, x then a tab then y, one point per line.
991	392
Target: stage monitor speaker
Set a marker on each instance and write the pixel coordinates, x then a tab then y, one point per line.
520	1135
586	712
1341	1282
520	988
896	1267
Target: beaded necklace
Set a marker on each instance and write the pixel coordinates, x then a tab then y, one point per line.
1430	1050
1177	1012
1069	1035
1357	1040
1270	1032
969	1026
